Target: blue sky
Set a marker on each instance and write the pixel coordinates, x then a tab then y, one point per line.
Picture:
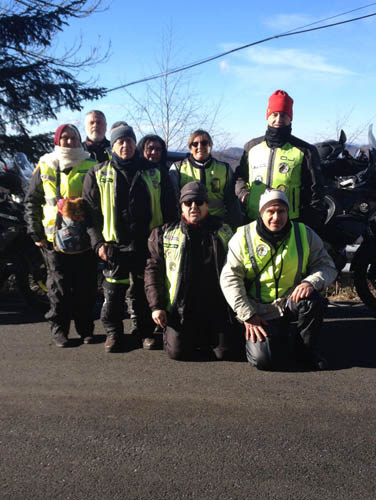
331	74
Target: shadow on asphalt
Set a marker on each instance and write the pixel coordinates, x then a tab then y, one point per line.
349	337
15	311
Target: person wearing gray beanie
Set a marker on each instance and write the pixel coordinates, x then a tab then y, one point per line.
119	130
127	196
273	276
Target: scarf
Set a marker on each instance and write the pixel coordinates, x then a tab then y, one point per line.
277	136
197	164
129	163
272	237
65	158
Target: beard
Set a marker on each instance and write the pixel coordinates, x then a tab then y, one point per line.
95	136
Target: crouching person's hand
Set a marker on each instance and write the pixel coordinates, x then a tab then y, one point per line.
160	318
254	328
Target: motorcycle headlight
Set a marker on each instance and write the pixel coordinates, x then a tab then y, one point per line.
364	208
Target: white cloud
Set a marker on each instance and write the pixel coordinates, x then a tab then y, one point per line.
224	66
287	22
287	59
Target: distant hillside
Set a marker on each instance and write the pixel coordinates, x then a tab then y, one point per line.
230	155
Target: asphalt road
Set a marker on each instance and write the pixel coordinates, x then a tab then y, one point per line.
78	423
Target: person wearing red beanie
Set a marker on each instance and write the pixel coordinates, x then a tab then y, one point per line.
59	131
280	102
56	217
281	161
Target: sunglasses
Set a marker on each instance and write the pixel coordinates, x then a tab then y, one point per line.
203	143
199	203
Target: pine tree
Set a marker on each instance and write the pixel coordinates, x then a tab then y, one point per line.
34	84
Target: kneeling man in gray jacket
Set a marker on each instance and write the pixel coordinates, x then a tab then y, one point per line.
274	272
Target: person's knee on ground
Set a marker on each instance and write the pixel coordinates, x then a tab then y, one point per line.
272	352
259	354
173	344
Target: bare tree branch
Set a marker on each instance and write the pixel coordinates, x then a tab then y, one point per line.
169	106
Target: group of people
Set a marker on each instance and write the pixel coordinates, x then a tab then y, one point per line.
192	250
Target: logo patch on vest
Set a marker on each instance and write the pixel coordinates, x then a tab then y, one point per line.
283	168
171	237
105	179
261	250
172	267
282	187
215	185
155	184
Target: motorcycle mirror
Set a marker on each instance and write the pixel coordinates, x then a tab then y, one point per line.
20	159
371	138
342	137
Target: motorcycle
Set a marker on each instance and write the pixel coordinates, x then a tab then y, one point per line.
350	181
19	257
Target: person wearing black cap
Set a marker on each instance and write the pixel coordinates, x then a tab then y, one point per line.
96	143
274	272
281	161
127	197
56	218
182	278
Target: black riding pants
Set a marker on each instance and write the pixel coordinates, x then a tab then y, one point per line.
181	340
273	352
71	289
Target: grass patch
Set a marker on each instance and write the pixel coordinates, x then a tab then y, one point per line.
342	289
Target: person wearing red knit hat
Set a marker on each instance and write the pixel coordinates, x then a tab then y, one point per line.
56	218
281	161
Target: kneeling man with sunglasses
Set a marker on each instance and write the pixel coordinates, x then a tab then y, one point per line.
182	278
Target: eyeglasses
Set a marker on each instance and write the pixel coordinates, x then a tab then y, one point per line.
203	143
199	203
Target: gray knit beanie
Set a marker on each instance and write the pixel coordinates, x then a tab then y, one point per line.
121	129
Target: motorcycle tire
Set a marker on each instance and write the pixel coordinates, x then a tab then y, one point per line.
31	278
364	269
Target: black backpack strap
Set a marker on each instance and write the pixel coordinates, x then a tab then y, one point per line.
58	181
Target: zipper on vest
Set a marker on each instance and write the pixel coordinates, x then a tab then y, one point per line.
293	200
269	175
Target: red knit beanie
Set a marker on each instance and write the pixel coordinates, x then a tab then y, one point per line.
60	130
280	101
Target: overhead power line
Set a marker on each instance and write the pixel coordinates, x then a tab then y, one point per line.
333	17
297	31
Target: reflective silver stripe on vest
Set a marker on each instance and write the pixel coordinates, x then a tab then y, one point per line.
51	202
248	239
299	248
180	273
46	177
